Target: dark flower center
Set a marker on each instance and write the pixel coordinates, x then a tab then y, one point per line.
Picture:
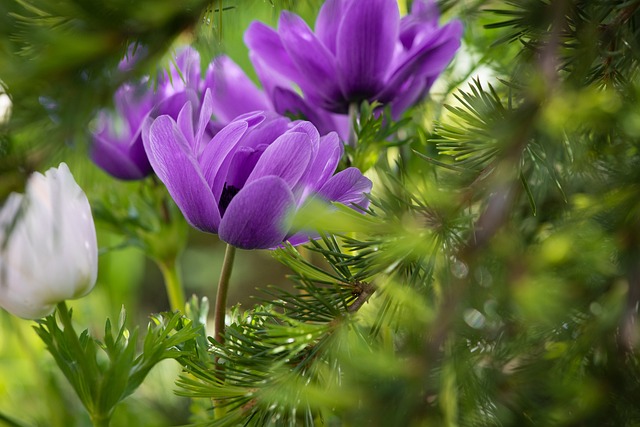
228	193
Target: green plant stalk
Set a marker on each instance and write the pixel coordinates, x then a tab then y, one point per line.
100	421
219	314
220	21
97	419
221	297
353	118
173	284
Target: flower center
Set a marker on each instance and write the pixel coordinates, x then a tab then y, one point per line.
228	193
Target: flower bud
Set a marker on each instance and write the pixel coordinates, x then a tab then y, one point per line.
48	249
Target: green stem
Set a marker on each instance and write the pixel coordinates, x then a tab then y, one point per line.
220	21
223	290
219	316
173	284
353	118
100	422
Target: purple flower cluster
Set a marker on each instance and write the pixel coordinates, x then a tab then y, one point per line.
359	51
244	182
231	160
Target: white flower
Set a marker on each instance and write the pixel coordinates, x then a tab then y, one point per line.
5	107
48	248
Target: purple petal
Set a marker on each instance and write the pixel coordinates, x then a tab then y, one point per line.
329	20
185	124
270	78
118	160
322	167
428	59
258	216
287	102
264	42
365	45
172	105
310	130
183	74
411	93
266	132
134	102
233	93
253	118
287	158
426	10
315	62
347	187
135	54
117	144
176	166
341	124
206	110
423	17
301	237
243	162
326	161
217	155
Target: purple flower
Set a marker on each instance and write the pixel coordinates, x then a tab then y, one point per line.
246	181
117	142
359	51
233	94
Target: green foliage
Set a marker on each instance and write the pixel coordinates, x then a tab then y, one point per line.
104	373
494	279
374	132
276	362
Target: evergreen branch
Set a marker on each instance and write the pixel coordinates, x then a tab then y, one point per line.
265	349
504	186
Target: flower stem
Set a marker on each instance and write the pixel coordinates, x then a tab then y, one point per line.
219	315
100	422
223	290
353	119
173	284
220	21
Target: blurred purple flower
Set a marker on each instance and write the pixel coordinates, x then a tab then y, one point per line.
245	181
117	143
233	94
359	51
135	53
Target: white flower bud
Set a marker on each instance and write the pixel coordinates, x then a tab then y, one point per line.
48	248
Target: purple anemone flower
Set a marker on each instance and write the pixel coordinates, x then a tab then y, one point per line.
358	52
244	183
117	145
234	94
117	142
